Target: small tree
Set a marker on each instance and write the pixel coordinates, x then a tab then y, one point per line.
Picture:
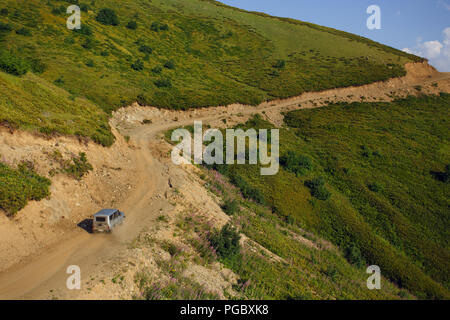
163	83
107	16
169	64
5	27
280	64
132	25
226	242
230	206
317	188
24	32
354	256
138	65
145	49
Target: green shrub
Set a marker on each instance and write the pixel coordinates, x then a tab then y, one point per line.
18	186
90	63
11	63
78	167
375	187
157	69
247	190
317	188
138	65
37	66
296	163
280	64
145	49
4	12
442	176
59	10
226	242
230	206
5	27
107	17
156	26
84	30
24	32
132	25
84	7
59	81
354	256
88	44
163	83
69	40
169	64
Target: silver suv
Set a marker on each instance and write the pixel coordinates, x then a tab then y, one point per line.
106	220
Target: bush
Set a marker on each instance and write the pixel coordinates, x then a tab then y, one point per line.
226	242
138	65
317	188
296	163
145	49
169	64
354	256
280	64
37	66
442	176
84	30
4	12
59	10
5	27
107	17
132	25
247	190
374	187
24	32
157	69
156	26
163	83
88	44
18	186
59	82
230	207
84	7
12	64
78	167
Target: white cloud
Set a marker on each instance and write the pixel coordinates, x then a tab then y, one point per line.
437	52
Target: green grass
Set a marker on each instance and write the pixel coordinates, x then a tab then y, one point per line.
202	54
384	166
20	185
302	273
30	102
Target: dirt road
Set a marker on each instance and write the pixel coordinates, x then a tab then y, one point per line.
35	277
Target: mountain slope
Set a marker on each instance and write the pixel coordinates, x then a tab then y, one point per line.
178	54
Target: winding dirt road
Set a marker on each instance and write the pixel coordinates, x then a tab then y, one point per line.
34	278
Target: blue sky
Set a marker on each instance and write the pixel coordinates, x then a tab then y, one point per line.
417	26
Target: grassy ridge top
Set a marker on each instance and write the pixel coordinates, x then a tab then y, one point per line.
180	54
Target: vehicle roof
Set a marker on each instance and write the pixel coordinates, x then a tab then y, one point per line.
105	212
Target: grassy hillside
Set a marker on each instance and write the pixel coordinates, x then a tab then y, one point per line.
297	264
370	177
168	53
